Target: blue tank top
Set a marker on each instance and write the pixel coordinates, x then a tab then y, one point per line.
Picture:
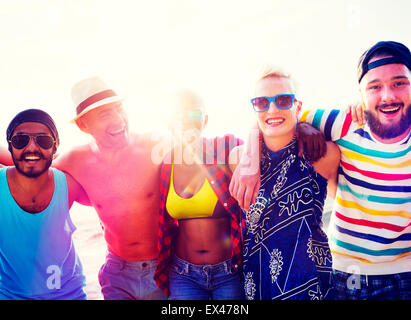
37	255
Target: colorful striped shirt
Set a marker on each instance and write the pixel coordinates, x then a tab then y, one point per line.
370	228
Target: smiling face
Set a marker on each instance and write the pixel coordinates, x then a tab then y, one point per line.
276	124
32	160
386	94
107	124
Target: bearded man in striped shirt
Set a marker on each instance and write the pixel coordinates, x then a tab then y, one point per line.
370	228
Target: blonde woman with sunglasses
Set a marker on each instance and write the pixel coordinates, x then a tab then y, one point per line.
286	253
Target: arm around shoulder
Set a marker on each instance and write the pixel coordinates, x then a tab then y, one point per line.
245	181
62	161
5	157
234	157
76	192
327	166
73	160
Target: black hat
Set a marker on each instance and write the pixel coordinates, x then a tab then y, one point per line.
33	115
400	54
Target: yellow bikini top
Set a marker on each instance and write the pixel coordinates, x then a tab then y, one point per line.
200	205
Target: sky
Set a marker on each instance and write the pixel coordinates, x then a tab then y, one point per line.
148	49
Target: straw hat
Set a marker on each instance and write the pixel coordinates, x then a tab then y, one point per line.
92	93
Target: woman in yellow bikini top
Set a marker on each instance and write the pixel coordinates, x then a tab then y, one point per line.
202	248
191	204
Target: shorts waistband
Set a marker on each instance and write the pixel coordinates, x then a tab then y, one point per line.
143	264
370	279
226	266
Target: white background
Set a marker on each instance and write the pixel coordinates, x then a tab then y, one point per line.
148	49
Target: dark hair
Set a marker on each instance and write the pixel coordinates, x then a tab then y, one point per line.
33	115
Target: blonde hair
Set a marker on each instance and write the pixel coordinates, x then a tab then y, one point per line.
269	71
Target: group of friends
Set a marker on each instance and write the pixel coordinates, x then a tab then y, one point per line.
219	218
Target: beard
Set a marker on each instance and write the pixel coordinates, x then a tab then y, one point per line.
389	131
31	173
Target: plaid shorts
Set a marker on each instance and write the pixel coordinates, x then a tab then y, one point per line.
372	287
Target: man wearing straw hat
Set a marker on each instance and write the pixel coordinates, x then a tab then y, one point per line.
122	182
121	178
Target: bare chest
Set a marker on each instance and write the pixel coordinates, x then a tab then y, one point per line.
121	186
33	202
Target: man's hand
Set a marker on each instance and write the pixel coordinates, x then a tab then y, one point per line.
357	113
311	142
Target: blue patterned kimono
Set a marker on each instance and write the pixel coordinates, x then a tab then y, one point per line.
286	253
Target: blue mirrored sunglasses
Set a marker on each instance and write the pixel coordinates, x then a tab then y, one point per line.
281	101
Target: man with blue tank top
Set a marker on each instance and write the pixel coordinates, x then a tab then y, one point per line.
37	255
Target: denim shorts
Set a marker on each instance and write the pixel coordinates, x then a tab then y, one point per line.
204	282
372	287
129	280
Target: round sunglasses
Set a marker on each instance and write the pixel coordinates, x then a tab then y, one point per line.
281	101
21	140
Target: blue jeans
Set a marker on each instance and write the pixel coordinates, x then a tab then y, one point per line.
129	280
372	287
204	282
